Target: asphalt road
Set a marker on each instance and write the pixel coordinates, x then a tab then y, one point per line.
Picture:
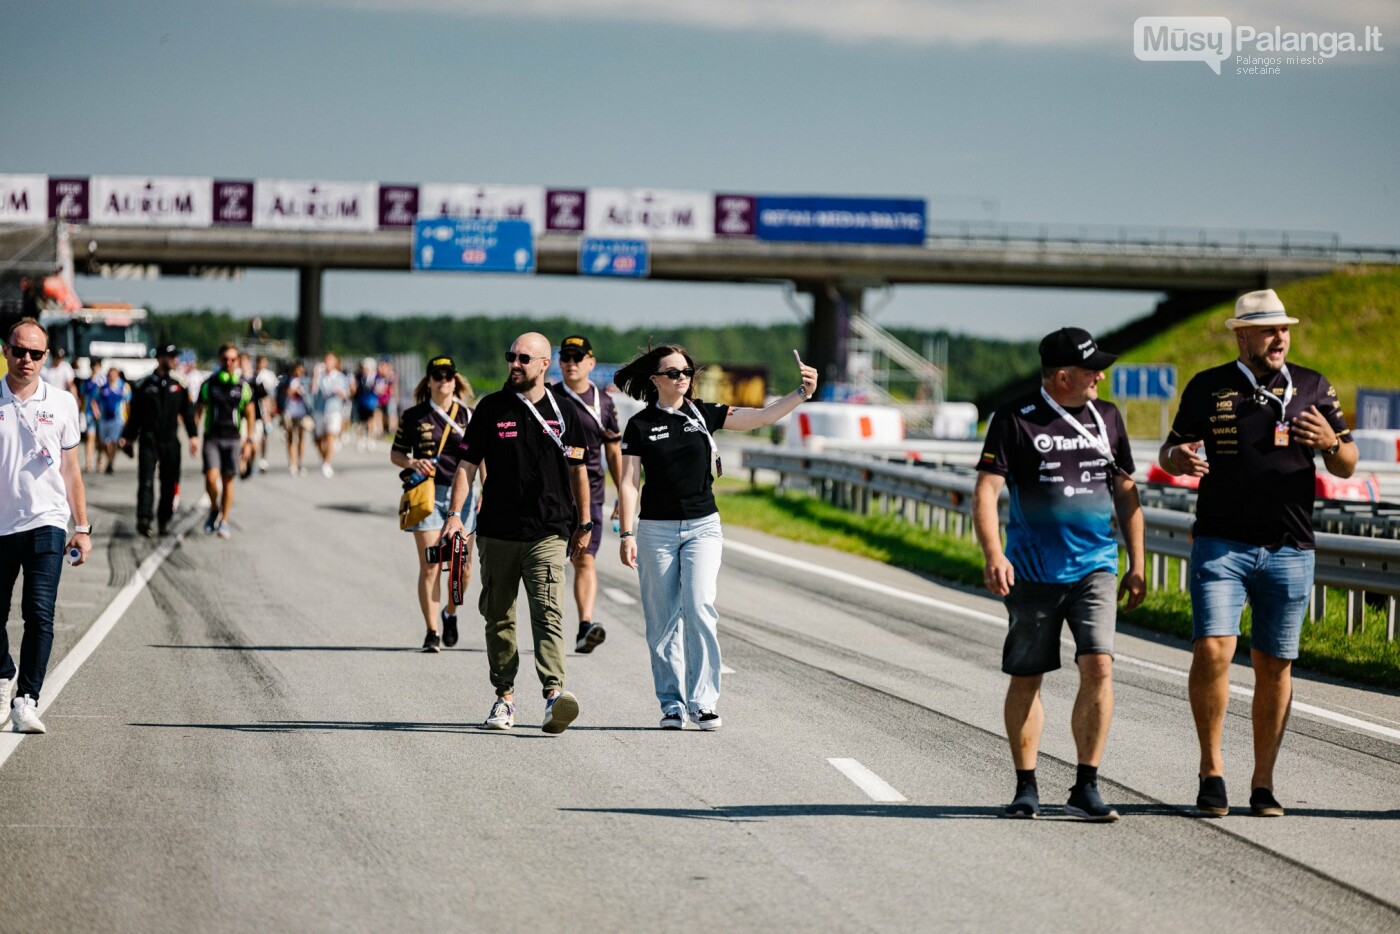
257	744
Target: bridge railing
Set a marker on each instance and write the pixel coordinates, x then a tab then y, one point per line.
941	500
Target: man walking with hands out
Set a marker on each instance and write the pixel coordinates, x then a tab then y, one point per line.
1262	421
1069	467
534	508
597	418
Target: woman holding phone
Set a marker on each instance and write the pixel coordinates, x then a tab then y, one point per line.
427	442
676	543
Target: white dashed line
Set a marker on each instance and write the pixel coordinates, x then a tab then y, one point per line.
726	670
867	781
619	596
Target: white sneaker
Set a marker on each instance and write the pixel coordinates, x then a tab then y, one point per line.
502	715
224	530
262	465
25	716
327	471
559	711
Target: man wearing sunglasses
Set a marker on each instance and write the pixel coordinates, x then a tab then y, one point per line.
593	409
534	509
42	488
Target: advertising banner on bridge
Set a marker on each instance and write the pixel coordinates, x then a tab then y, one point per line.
398	206
564	210
295	205
68	199
128	200
519	202
24	199
233	203
736	215
642	213
474	244
842	220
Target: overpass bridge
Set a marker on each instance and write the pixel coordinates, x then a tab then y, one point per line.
1194	268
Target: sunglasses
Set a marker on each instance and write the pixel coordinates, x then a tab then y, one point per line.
441	375
523	358
20	353
573	357
674	373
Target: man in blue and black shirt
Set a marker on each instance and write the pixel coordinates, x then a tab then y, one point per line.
1067	462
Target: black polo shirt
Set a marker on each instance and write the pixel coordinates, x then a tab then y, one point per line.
1256	492
158	405
676	460
420	436
527	496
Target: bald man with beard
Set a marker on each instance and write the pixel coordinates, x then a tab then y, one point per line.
534	513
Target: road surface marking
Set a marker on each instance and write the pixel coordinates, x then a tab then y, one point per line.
619	596
98	631
987	618
867	781
726	670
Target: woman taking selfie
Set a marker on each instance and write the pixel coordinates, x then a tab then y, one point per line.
677	543
427	442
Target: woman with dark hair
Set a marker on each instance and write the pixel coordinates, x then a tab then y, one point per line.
427	442
677	543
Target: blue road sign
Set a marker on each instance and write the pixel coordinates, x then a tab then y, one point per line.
474	244
630	259
1143	381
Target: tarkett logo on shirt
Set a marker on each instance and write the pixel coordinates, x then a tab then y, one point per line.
1046	443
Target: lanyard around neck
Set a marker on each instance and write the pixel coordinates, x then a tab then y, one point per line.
596	410
1261	393
1101	442
556	436
699	422
450	419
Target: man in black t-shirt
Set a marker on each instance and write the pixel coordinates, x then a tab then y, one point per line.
1261	422
159	404
225	409
534	503
594	411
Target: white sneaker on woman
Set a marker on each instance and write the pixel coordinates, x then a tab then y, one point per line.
25	716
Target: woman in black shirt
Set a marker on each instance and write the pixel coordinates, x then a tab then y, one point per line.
444	400
677	544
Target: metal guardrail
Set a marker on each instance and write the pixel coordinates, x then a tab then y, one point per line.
942	500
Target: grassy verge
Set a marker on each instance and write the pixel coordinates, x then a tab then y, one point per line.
1325	647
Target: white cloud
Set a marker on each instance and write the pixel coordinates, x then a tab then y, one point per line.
920	22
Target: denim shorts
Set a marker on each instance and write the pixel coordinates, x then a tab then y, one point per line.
1277	581
442	499
1037	612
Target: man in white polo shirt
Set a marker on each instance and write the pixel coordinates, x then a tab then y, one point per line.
41	485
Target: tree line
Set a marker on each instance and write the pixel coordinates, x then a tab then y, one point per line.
975	365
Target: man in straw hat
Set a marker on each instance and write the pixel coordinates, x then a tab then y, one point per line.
1261	423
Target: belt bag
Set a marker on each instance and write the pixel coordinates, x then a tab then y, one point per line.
419	499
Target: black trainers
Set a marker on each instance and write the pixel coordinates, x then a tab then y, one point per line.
1026	804
707	719
432	642
675	720
449	628
1262	803
144	530
1211	800
1085	803
590	636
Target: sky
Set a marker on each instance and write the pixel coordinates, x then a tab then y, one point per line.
1031	111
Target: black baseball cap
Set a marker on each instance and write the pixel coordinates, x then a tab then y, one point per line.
167	350
576	342
1074	347
443	362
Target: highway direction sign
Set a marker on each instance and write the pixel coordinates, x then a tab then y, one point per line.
474	244
630	259
1143	381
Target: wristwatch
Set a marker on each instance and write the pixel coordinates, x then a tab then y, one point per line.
585	526
83	529
451	514
1336	446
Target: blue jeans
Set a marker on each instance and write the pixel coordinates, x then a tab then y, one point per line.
1278	582
678	561
39	554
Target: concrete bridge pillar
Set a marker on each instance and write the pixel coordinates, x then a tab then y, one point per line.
309	310
828	331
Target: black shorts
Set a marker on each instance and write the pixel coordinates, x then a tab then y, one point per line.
222	454
1038	611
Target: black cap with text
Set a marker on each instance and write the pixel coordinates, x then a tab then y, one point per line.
1074	347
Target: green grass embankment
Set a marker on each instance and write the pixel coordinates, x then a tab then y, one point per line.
1365	657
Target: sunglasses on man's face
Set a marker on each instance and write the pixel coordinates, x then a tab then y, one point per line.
440	375
574	357
523	358
674	373
32	353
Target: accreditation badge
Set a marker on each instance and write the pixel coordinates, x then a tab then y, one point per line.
1280	434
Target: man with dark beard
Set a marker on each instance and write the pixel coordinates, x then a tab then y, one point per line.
1261	422
535	510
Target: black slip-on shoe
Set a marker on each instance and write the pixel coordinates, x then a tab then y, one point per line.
1211	800
1262	803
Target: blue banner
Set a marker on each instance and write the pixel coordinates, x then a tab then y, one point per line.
474	244
1143	381
842	220
630	259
